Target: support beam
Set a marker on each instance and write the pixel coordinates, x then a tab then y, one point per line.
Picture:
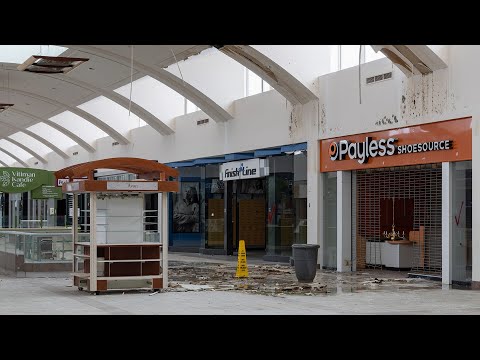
447	196
278	78
475	201
4	164
207	105
14	157
27	149
344	221
165	240
87	116
37	137
54	125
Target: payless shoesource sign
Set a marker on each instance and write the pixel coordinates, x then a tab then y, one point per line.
421	144
18	180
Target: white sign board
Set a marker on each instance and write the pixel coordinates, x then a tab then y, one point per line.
73	186
245	169
130	185
60	182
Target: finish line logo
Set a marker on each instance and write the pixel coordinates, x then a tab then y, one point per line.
383	147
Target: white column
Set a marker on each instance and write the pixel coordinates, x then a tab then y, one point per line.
344	221
93	241
74	228
310	114
475	202
165	239
447	222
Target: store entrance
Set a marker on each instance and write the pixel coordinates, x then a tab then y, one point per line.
249	213
397	219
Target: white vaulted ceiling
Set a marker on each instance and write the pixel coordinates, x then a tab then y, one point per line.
52	112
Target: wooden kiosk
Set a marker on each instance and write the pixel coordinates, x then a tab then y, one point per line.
112	248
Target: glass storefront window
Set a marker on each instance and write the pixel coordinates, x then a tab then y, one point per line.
462	221
268	213
286	203
214	205
187	214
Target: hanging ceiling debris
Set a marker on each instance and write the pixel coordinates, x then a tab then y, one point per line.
51	64
4	107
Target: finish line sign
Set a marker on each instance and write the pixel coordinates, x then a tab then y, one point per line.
245	169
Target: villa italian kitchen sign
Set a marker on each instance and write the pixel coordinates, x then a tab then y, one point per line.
443	141
245	169
18	180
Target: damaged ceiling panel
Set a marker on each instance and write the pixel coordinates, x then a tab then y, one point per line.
412	59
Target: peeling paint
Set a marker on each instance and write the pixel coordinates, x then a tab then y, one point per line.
426	95
295	121
323	118
387	120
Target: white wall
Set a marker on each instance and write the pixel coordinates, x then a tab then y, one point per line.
401	101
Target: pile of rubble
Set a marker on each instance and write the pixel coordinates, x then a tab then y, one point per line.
263	279
278	280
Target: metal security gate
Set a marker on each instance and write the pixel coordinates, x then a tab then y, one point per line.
410	198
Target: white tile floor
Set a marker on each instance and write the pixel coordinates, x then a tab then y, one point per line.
58	296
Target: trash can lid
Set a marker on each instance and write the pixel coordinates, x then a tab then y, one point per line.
305	246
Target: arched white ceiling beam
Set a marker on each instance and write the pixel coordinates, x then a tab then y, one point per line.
37	137
207	105
1	162
14	157
54	125
139	111
27	149
412	59
278	78
87	116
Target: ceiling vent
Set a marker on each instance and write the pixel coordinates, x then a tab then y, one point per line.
377	78
115	143
201	122
5	106
50	64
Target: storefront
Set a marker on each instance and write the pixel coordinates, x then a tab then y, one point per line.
258	196
400	199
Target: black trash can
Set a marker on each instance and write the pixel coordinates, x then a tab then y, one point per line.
305	261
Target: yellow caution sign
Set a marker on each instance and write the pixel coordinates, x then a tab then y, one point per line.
242	269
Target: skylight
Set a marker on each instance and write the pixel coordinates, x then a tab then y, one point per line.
19	53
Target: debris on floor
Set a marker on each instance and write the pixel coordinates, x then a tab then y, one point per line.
280	280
